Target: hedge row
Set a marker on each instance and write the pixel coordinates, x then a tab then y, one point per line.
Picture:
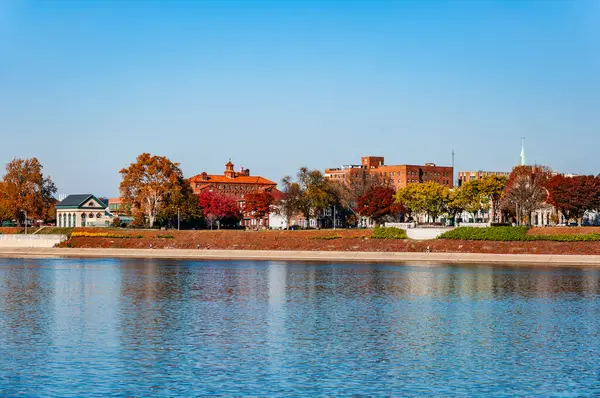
388	233
103	235
512	234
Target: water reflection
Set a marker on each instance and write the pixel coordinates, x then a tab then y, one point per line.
145	327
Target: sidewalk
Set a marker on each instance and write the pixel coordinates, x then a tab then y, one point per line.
316	256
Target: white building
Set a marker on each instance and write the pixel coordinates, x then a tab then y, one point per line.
83	210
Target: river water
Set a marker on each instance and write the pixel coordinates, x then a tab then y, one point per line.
73	327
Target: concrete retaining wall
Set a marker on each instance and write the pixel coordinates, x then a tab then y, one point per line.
31	240
425	233
544	260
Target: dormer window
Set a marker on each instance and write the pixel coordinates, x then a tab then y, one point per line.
91	204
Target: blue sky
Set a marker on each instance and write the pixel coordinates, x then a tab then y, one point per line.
276	85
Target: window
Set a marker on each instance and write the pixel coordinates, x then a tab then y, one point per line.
69	220
91	215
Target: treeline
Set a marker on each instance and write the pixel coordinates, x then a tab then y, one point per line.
516	198
154	191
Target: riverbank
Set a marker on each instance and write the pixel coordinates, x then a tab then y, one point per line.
313	240
591	261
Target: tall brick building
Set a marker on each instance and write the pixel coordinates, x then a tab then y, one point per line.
234	183
397	176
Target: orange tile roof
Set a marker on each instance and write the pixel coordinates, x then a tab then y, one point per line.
254	180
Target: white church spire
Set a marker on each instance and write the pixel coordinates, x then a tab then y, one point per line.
523	151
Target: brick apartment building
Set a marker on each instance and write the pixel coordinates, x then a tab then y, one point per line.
466	176
398	176
234	183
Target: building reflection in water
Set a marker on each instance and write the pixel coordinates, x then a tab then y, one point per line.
145	322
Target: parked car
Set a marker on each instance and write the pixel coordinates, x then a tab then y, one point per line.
8	224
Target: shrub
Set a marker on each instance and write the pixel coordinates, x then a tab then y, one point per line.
490	233
166	236
103	235
512	234
388	233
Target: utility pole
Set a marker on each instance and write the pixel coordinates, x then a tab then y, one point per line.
334	217
178	218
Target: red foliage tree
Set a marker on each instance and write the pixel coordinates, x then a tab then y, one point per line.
525	191
216	206
573	196
377	203
258	205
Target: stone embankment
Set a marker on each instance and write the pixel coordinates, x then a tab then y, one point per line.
430	259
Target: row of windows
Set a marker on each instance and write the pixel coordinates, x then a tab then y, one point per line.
234	187
69	220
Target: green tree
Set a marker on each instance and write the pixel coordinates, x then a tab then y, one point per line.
315	193
179	203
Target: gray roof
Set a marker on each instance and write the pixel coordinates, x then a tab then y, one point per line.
78	200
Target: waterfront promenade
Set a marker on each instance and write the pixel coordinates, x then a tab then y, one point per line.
592	261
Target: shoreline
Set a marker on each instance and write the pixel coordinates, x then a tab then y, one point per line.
401	258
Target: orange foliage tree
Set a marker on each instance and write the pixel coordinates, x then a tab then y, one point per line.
25	189
258	204
147	184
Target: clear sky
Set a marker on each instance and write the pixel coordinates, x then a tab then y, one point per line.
276	85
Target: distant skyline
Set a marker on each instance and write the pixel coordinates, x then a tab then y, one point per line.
86	86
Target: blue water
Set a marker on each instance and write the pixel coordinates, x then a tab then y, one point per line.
170	328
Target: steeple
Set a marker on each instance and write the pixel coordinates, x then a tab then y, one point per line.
523	151
229	172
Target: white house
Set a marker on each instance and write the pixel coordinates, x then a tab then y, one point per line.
82	211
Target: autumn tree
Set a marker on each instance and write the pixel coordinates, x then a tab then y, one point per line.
290	204
356	183
26	189
258	204
573	196
456	204
492	187
525	191
217	206
147	183
429	198
315	194
473	198
377	203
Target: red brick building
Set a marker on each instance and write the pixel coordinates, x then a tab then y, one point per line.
235	183
398	176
